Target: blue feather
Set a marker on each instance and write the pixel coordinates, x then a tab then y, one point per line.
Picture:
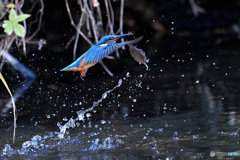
102	51
75	63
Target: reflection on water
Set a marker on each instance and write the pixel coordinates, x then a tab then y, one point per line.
29	78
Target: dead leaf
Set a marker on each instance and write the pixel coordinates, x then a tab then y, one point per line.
138	55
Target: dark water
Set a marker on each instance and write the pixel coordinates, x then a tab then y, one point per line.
185	106
189	135
157	114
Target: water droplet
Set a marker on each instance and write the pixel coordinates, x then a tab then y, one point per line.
104	95
103	121
119	82
88	115
159	130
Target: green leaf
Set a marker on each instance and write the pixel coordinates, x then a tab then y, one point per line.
8	27
12	15
19	29
6	23
22	17
12	24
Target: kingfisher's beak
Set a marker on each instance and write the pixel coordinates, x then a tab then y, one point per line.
117	37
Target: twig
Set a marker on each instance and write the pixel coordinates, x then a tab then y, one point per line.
94	28
75	46
106	69
112	13
120	29
110	25
70	41
121	21
39	22
108	16
8	44
34	4
99	22
195	8
77	34
73	24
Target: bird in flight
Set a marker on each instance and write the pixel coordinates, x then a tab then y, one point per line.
96	53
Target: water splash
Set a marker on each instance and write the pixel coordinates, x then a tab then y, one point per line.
7	151
106	143
38	145
81	113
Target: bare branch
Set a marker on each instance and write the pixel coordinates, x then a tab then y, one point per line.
90	14
73	24
39	21
70	41
108	16
106	69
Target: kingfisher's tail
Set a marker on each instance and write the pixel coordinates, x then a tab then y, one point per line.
68	67
73	66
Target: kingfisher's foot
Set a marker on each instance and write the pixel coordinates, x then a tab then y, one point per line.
81	71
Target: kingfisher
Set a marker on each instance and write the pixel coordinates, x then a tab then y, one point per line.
96	53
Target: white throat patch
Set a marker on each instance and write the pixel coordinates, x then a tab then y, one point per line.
103	45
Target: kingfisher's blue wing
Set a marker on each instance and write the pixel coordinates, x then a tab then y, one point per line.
93	50
101	52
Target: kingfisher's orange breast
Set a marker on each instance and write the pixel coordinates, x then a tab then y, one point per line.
85	66
108	41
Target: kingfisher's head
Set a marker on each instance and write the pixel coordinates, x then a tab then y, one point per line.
112	38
